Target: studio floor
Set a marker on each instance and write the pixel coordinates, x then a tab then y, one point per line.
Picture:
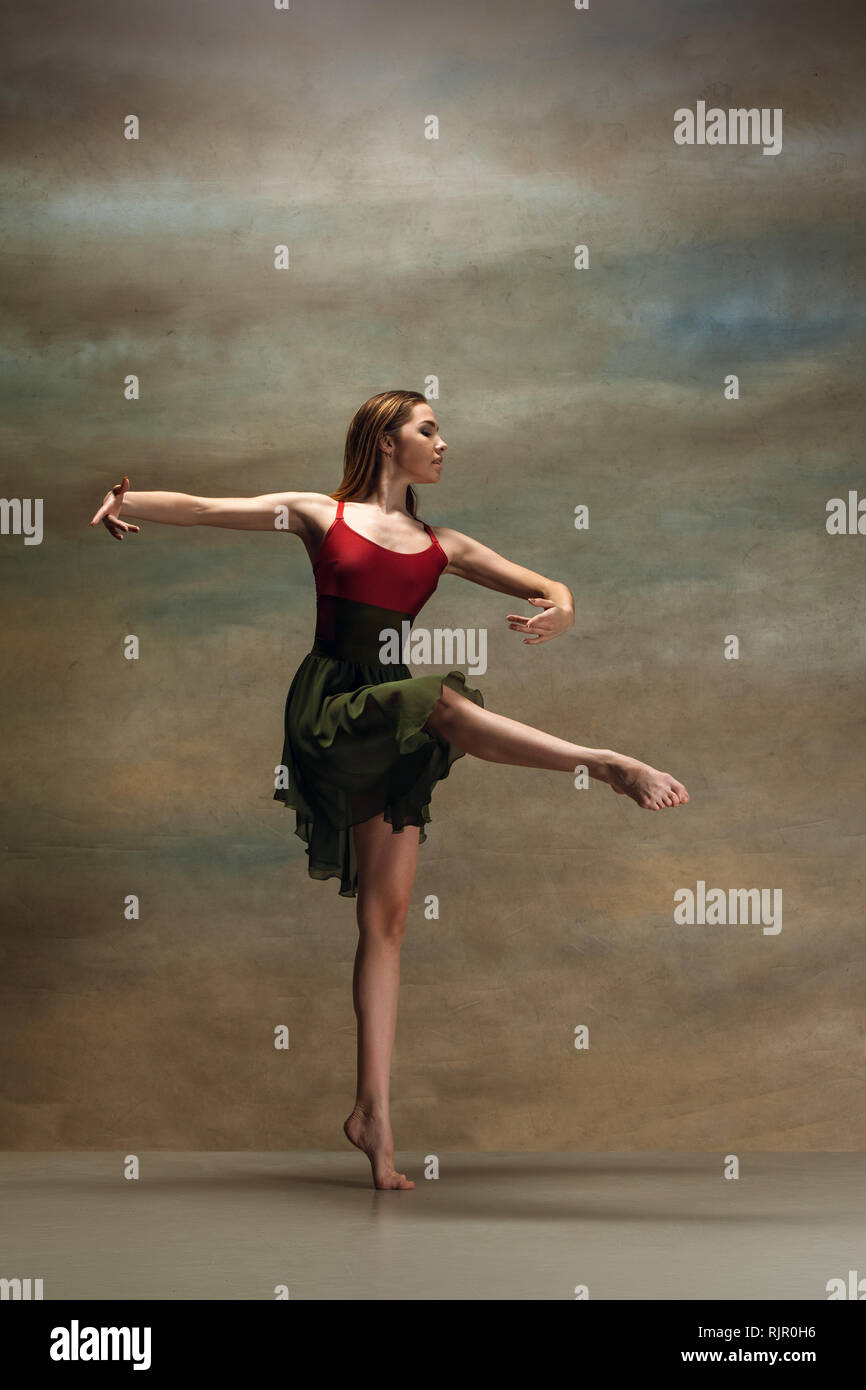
491	1226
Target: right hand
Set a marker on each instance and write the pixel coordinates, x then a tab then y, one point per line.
109	512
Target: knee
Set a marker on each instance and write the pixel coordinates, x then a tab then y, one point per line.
445	706
449	698
384	921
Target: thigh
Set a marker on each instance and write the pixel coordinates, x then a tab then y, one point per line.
386	864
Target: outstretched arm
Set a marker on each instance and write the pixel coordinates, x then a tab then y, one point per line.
269	512
471	560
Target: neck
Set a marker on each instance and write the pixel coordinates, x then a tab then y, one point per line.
388	490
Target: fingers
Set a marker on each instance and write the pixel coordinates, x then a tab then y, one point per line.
521	617
518	623
536	637
117	527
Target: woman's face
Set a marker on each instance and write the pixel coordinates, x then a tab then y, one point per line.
419	447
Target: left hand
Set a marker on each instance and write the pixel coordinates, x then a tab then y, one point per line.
542	626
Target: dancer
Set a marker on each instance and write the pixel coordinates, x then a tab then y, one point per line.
365	741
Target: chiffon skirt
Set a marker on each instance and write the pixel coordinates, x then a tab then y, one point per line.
355	747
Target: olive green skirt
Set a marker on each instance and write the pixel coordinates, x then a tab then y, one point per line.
355	747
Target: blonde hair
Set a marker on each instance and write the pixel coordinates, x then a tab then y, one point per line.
382	414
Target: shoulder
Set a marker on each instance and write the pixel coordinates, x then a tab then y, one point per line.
447	535
470	558
311	503
455	544
311	510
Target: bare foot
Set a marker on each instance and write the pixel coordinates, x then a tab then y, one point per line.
372	1135
647	786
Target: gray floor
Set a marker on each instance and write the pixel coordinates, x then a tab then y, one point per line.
493	1226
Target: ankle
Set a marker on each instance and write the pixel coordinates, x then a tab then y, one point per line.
371	1109
603	763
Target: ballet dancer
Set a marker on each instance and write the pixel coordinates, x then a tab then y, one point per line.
365	741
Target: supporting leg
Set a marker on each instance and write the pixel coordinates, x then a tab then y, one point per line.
386	870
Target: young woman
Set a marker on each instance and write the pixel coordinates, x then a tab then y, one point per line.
366	741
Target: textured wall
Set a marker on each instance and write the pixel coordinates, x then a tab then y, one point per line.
454	258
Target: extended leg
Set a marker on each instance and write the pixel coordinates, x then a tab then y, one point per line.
497	739
386	870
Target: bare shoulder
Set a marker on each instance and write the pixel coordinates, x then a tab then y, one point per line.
311	512
456	544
